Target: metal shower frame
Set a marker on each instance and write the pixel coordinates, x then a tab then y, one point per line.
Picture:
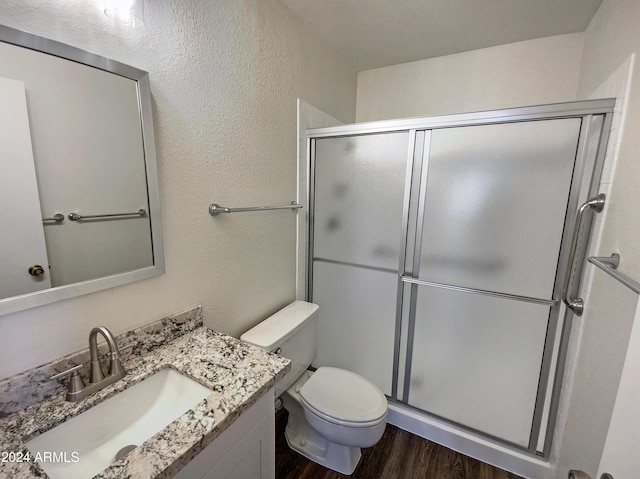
595	114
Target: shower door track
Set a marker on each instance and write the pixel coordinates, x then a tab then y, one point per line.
554	110
547	397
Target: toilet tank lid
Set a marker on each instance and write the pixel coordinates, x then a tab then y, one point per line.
280	326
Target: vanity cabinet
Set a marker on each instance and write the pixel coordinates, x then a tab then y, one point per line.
245	450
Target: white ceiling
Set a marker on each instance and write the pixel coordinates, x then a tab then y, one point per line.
376	33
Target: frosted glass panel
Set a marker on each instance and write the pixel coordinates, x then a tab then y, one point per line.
476	360
496	203
359	193
356	320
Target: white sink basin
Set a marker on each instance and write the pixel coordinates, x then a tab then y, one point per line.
88	443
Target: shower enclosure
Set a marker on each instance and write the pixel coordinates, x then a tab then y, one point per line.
439	251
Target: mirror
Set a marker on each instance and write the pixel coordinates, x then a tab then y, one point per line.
79	203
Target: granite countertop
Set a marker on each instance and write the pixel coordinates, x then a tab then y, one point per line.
238	373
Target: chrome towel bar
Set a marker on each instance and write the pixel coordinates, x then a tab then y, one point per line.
58	218
609	264
482	292
77	217
215	209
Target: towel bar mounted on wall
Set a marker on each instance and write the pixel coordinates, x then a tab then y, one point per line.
215	209
609	264
58	218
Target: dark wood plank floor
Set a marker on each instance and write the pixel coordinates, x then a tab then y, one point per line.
398	455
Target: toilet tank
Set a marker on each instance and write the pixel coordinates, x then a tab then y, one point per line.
291	332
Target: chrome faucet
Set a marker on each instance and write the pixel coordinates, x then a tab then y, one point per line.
97	379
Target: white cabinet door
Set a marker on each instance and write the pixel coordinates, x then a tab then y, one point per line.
22	243
245	450
253	457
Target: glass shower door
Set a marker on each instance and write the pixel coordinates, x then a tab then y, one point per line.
439	251
492	211
357	235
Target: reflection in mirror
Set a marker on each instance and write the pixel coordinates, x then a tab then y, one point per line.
78	181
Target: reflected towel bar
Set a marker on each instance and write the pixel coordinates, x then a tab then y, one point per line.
77	217
215	209
609	265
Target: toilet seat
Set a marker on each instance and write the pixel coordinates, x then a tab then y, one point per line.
343	398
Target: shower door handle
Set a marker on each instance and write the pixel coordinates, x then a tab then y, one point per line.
571	290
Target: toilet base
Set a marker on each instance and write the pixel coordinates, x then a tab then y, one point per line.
336	457
305	440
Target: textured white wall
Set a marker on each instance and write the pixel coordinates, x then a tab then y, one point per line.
619	457
598	349
225	76
532	72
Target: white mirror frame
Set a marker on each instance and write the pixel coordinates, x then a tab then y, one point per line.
39	298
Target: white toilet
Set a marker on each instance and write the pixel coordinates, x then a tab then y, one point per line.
332	412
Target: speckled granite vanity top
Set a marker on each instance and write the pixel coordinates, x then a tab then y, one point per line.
239	374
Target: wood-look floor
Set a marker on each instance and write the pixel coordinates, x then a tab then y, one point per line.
398	455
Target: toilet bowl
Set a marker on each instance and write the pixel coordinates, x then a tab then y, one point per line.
333	412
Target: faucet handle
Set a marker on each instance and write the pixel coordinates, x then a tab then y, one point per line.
76	383
66	372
